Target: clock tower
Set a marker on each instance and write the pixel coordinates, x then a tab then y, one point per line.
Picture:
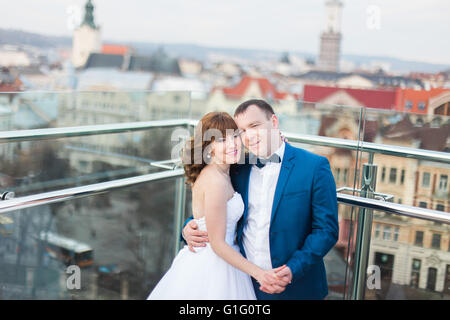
330	38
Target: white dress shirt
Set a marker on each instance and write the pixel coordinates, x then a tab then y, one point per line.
262	184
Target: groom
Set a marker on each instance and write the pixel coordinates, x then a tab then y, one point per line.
290	216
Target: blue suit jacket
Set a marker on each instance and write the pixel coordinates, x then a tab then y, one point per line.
304	221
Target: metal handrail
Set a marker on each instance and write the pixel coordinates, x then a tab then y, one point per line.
395	208
65	132
61	195
97	188
83	191
392	150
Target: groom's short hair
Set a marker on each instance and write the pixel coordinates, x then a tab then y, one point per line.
261	104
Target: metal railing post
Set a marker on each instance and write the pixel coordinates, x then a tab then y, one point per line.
364	228
180	204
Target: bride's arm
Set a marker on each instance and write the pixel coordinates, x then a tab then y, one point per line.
216	224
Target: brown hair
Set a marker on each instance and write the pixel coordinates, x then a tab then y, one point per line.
212	125
261	104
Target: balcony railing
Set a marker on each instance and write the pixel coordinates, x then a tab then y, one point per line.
172	171
129	208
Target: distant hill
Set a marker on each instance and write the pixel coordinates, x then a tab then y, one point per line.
17	37
199	52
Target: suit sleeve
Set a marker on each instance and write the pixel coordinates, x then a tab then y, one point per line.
325	228
184	224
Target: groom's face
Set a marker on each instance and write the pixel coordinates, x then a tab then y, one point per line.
260	133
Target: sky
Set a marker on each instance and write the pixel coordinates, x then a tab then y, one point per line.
408	29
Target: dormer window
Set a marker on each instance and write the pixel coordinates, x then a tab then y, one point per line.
408	105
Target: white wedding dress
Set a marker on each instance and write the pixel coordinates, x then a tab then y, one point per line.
204	275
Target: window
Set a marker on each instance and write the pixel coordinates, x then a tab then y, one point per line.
421	105
422	204
400	200
377	231
426	180
408	105
440	207
396	233
415	272
419	122
393	175
419	239
443	182
383	173
436	241
83	164
402	176
435	123
345	175
387	233
338	174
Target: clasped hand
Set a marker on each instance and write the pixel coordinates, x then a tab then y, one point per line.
274	280
271	281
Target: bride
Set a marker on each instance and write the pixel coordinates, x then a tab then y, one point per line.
217	271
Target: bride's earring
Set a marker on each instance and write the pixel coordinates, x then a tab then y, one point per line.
208	155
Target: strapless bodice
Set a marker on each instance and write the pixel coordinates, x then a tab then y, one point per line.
235	209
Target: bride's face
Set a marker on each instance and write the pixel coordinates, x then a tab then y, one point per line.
227	150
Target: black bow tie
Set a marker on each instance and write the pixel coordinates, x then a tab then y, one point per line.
261	162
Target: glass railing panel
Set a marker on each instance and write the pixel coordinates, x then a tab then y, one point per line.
53	164
412	265
38	109
412	254
426	131
412	258
36	166
122	242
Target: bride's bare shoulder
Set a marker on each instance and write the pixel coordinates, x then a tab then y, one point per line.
210	177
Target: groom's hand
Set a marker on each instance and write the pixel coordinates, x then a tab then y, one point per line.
194	237
279	280
285	274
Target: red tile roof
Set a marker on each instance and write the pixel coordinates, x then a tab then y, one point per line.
380	99
416	96
115	49
266	87
7	87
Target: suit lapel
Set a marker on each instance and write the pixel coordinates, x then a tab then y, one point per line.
245	183
242	177
286	167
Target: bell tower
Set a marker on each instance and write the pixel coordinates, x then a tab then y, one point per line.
330	38
86	38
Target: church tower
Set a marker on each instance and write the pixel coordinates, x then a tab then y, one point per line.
330	38
86	38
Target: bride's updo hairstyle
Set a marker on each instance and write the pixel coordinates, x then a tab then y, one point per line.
197	150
